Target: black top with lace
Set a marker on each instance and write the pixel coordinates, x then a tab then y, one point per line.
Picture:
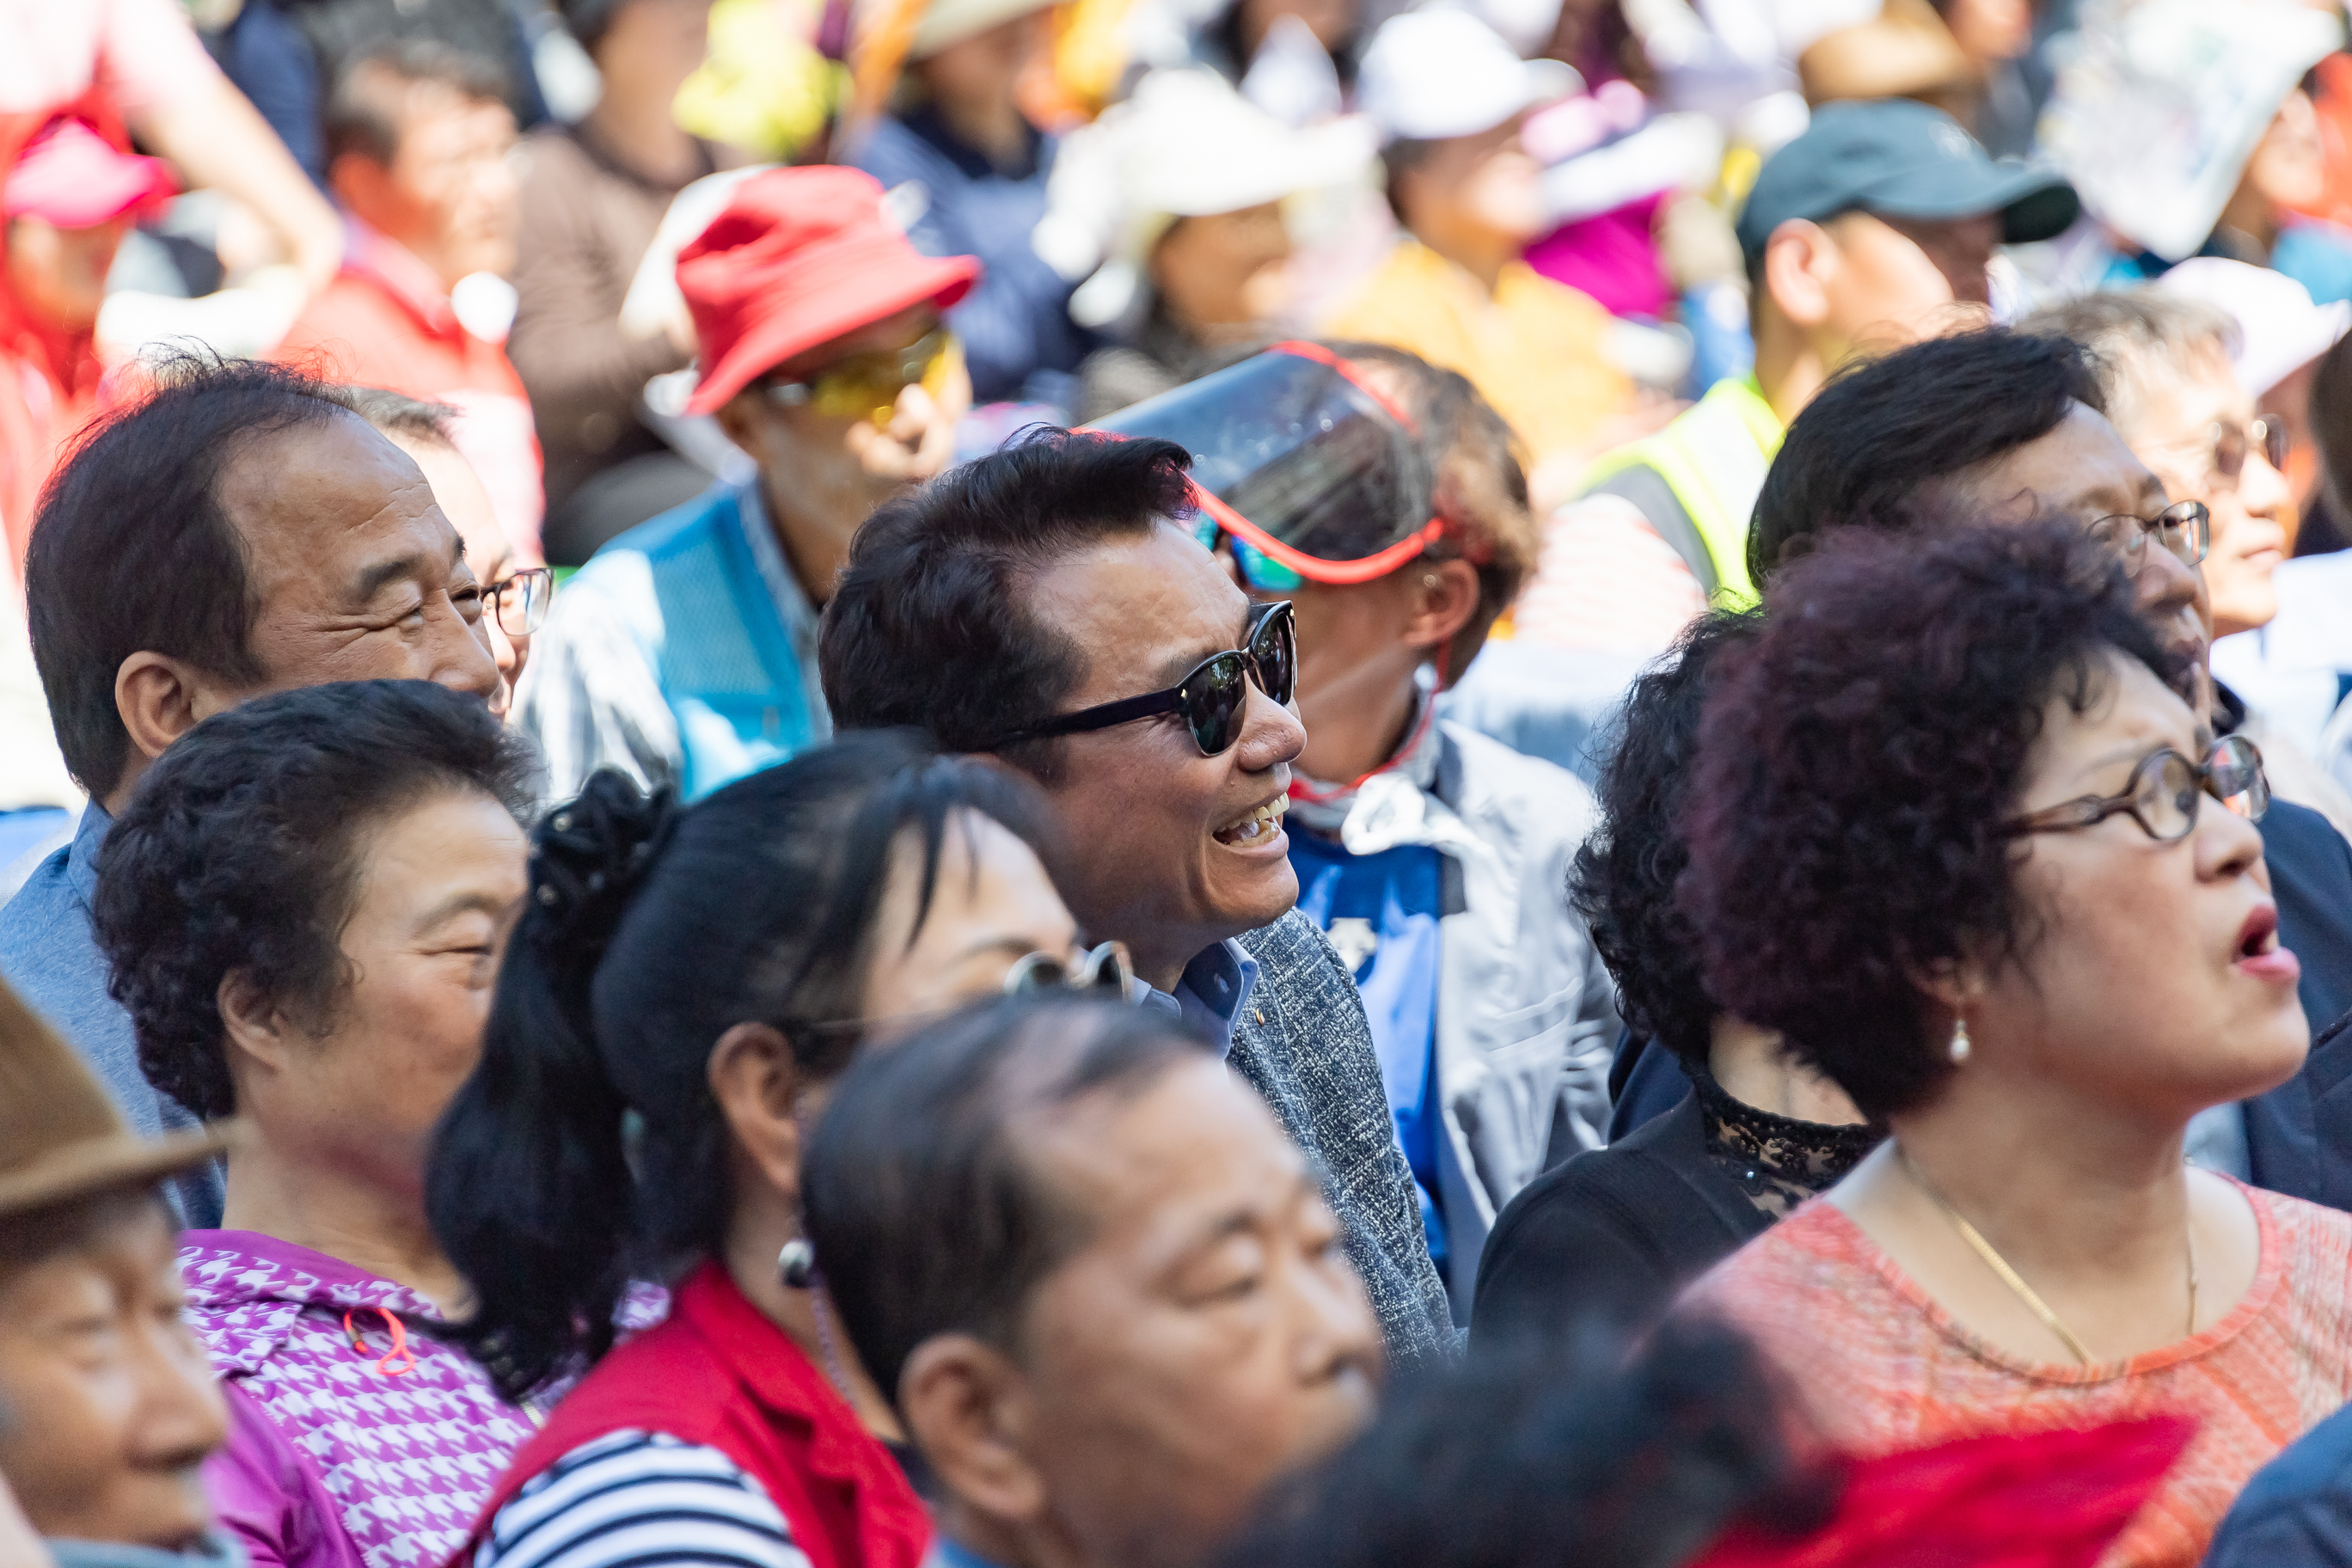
1778	1160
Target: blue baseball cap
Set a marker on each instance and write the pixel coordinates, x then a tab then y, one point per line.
1899	159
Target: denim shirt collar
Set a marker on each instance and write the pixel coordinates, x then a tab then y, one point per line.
1212	993
82	856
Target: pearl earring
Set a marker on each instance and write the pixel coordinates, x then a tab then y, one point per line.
1959	1041
796	1264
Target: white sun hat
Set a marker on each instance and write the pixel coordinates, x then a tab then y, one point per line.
2280	330
1185	145
945	22
1430	75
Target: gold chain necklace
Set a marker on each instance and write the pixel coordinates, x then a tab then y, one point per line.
2016	1282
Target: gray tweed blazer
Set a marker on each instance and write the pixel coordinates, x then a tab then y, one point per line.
1303	1044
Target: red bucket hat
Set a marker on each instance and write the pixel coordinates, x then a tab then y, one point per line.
69	176
799	257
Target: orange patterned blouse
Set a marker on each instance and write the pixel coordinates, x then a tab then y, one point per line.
1883	1368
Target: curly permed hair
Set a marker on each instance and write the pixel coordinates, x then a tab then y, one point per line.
1624	880
1855	764
238	850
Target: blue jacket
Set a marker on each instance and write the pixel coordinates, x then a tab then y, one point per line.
2297	1510
50	959
1016	320
683	654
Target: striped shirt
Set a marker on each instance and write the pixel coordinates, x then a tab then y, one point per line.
632	1499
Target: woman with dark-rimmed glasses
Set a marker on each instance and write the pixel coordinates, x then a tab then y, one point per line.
2000	882
682	987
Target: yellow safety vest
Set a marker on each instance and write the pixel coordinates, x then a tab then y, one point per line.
1713	457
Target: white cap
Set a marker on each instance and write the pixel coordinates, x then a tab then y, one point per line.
1430	75
946	22
2280	330
1185	145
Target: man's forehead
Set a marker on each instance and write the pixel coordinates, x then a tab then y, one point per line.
1148	595
2079	468
333	483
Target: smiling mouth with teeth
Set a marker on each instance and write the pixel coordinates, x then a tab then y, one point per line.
1256	828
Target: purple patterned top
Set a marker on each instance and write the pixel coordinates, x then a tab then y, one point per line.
399	1458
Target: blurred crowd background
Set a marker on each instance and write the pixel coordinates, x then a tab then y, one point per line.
479	203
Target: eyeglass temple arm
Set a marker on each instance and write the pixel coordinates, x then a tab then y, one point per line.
2085	811
1102	717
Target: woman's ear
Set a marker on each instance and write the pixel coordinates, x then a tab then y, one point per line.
255	1028
759	1087
967	1408
1951	985
1445	598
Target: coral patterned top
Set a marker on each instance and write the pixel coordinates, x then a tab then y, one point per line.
1883	1368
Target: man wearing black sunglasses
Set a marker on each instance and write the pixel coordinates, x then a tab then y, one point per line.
2003	426
1049	604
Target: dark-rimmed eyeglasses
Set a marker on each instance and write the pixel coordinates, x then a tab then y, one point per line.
519	602
2165	793
1211	699
2185	529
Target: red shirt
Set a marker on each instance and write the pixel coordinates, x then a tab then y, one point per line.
720	1373
386	321
51	384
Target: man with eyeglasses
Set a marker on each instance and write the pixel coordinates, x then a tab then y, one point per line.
2175	398
684	653
239	531
2003	426
1050	605
516	599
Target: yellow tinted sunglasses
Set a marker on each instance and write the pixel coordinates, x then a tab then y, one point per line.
866	385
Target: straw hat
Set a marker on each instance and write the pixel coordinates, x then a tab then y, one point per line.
60	1136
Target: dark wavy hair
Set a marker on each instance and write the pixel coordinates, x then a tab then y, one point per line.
1554	1450
651	931
1855	764
1624	880
240	850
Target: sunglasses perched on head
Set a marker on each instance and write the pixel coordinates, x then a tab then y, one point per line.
2165	792
866	385
1211	699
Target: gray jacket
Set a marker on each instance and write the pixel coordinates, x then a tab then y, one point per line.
1526	1014
1303	1044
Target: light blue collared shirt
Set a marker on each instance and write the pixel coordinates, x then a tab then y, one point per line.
946	1553
1212	993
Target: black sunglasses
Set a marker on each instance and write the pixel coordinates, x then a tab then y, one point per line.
1210	700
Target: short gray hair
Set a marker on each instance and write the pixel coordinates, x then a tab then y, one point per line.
2140	341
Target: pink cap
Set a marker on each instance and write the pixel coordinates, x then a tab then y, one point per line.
69	176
